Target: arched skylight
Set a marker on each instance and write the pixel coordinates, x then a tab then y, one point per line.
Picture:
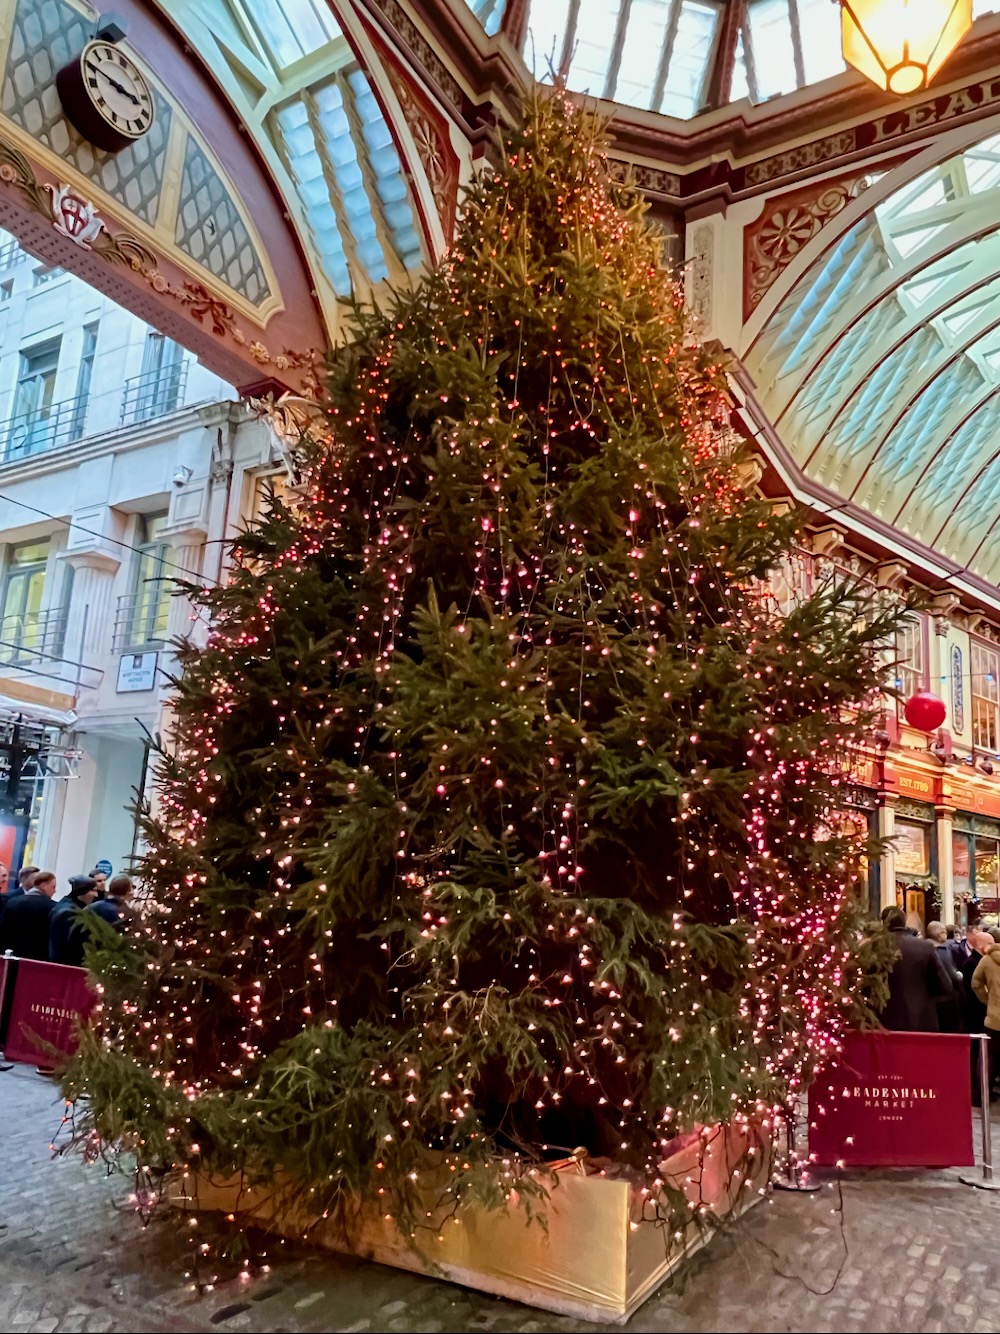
880	368
289	69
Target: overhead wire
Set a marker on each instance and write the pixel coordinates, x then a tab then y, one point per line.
206	580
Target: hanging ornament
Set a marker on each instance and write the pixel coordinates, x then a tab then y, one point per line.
925	711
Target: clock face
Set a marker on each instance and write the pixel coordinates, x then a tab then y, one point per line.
117	89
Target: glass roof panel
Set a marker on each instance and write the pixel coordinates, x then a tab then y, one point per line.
655	54
292	29
593	47
548	24
645	38
690	59
741	82
819	32
884	385
489	13
773	49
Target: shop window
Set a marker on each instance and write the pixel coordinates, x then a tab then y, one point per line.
985	696
149	604
913	848
961	862
911	657
987	871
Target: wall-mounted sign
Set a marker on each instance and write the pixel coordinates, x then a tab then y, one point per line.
957	691
137	671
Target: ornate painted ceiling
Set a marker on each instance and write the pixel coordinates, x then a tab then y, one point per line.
304	151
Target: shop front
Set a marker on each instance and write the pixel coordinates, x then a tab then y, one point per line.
975	842
916	863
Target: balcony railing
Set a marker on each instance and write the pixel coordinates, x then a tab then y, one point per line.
140	619
10	253
43	429
33	635
153	393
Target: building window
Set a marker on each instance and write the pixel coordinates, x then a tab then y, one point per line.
792	581
985	696
6	290
22	619
149	604
83	378
33	419
911	657
266	485
157	388
45	273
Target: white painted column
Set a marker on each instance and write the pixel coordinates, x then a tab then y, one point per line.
887	868
186	555
91	611
946	869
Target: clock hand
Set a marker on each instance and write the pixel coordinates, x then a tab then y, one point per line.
119	88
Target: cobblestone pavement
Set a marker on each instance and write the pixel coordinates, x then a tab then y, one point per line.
921	1255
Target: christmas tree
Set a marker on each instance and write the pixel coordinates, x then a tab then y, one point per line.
501	815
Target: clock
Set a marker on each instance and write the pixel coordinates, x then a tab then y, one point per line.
106	97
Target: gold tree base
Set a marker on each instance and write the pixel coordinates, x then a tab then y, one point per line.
593	1260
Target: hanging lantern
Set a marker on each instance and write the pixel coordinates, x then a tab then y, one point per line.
925	711
901	44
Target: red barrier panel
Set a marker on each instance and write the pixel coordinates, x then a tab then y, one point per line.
49	1001
894	1100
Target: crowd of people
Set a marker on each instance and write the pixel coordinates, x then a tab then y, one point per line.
34	925
944	983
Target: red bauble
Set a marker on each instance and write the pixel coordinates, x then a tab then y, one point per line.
925	710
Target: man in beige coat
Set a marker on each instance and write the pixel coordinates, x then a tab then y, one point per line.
986	986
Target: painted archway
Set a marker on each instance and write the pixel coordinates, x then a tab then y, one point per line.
280	176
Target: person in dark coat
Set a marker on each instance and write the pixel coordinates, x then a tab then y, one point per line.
951	1009
115	906
24	927
917	982
67	934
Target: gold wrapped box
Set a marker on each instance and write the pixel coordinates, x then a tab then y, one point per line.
595	1258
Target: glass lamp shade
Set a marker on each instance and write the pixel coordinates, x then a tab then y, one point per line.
901	44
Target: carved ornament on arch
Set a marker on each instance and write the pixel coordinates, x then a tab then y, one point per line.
787	224
433	143
413	40
119	248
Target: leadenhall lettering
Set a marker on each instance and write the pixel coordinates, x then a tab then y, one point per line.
893	1093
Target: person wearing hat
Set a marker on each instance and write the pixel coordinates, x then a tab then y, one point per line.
67	934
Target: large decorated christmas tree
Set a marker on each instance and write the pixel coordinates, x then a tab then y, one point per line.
501	817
